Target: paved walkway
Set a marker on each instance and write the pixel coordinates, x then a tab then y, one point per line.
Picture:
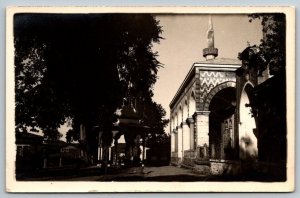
164	173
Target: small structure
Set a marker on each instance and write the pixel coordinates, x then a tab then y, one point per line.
69	155
27	142
129	126
28	150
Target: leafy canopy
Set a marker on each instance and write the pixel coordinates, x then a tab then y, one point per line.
80	67
273	45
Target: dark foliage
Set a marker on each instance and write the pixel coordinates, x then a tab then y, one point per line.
81	67
268	99
273	45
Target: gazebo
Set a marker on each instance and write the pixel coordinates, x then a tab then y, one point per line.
130	124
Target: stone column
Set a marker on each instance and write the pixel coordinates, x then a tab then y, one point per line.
191	124
185	136
176	140
172	142
82	140
82	132
99	154
202	130
115	136
179	143
144	149
109	153
116	152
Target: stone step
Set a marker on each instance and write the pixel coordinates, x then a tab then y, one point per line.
202	169
202	162
199	166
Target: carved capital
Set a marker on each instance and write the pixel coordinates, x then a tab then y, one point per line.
175	131
200	113
190	121
178	127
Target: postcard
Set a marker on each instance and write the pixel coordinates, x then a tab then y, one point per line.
150	99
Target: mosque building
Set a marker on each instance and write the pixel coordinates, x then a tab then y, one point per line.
212	126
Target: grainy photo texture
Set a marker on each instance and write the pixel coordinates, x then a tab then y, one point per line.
150	97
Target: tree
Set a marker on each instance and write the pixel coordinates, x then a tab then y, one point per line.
154	116
80	67
273	45
52	136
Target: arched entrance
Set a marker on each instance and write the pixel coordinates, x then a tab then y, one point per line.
247	127
221	124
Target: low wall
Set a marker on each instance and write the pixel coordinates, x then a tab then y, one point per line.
244	170
175	161
225	167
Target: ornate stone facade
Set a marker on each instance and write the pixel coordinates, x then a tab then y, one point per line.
227	116
202	113
190	113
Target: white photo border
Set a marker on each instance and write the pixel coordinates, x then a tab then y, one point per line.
19	186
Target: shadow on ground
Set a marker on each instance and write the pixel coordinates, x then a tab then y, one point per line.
158	174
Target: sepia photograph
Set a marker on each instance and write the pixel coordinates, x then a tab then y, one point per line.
150	99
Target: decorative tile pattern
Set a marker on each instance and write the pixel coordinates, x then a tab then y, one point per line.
214	91
211	79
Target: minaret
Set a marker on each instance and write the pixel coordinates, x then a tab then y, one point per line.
210	52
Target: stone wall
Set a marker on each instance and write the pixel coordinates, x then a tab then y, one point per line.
225	167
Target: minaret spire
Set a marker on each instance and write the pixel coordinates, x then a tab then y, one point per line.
210	52
210	34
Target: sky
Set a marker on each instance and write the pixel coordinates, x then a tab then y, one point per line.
184	39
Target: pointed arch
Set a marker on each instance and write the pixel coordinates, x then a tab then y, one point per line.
247	138
214	91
